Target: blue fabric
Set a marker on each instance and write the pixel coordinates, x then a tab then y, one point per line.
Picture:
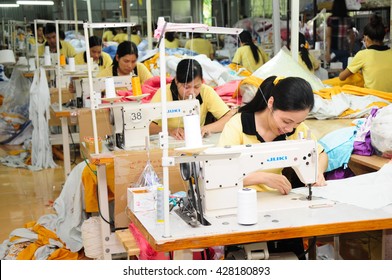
111	50
339	145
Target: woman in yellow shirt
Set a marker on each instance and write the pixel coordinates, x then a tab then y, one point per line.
189	81
120	36
249	55
171	41
125	63
101	58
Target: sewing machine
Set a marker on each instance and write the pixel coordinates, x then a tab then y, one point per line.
132	120
218	179
83	90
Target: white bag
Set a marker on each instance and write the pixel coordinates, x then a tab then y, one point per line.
381	133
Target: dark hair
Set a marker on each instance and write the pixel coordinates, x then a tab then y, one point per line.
49	28
246	38
170	36
375	29
290	94
339	9
187	70
304	51
124	48
94	41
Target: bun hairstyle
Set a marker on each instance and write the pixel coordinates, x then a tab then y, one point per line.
375	29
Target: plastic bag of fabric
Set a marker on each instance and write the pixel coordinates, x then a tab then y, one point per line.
381	133
14	111
363	143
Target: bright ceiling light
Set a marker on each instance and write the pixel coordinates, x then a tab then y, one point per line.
49	3
9	5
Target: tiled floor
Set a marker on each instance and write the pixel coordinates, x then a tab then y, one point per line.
26	195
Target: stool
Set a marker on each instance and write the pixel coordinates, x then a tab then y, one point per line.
127	239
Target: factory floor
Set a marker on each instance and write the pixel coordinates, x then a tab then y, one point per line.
27	195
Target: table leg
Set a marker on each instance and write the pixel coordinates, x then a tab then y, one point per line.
66	152
386	253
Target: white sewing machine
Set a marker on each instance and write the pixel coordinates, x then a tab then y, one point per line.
83	90
132	120
220	179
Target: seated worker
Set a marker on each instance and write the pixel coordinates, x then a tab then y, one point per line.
200	45
375	61
305	58
189	81
66	48
248	54
121	35
135	37
101	58
276	113
40	35
108	35
171	41
125	63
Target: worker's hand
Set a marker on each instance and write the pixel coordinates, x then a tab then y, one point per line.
320	180
278	182
204	132
177	133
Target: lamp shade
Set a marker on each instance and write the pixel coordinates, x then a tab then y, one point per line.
7	57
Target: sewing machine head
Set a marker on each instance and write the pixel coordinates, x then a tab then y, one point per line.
132	119
220	179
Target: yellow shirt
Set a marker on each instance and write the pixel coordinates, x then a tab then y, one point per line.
136	39
211	102
142	71
241	130
107	36
376	66
66	49
172	45
201	46
121	37
244	56
106	60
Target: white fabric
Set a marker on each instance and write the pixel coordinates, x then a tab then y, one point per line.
380	131
371	191
282	64
69	208
41	154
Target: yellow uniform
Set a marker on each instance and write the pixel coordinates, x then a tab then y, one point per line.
142	72
209	100
107	36
106	60
244	56
172	45
66	49
121	37
201	46
136	39
376	65
241	130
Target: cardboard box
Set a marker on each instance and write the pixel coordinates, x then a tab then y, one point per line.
86	125
140	199
128	166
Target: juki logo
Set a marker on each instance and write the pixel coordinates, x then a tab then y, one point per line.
172	111
280	158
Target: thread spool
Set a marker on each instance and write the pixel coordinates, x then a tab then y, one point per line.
192	131
317	46
160	204
91	237
47	60
109	88
71	64
247	206
47	50
7	57
32	64
136	87
62	60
